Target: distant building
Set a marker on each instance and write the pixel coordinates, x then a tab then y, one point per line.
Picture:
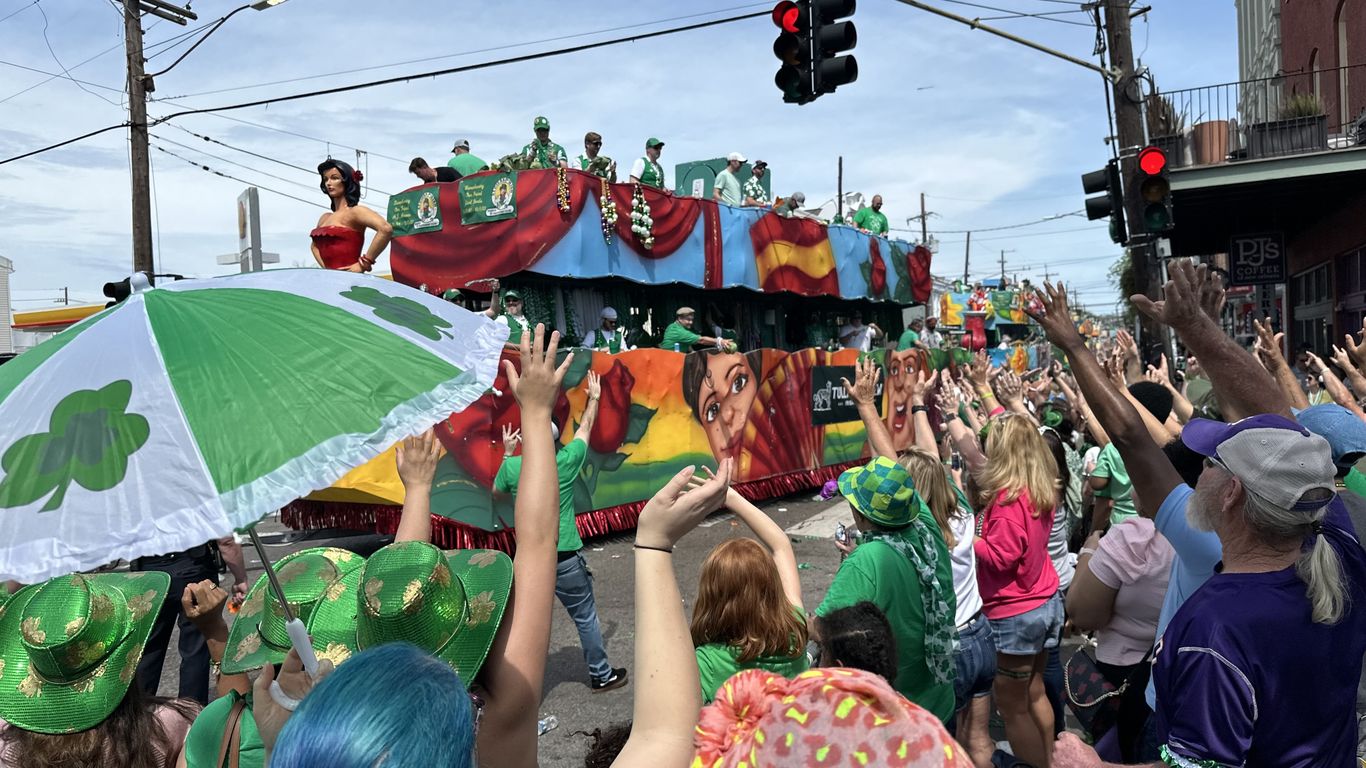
6	336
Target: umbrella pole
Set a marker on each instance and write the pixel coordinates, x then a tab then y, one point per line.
298	633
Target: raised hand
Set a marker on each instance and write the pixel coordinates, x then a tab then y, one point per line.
538	384
1212	296
1009	389
293	683
1180	307
203	604
979	370
922	384
1355	349
594	385
1268	344
1342	359
866	375
1055	317
511	437
948	399
675	509
1128	348
417	457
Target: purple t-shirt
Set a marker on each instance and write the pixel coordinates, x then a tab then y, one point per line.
1245	678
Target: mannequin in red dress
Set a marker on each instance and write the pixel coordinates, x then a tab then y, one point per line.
338	238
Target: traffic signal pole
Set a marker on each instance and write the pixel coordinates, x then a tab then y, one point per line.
137	139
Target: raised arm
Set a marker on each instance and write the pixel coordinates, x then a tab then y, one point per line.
416	458
964	440
1268	349
590	411
1181	406
1350	370
515	670
864	394
203	604
773	537
1334	386
1011	394
1128	355
495	306
1152	474
667	696
920	391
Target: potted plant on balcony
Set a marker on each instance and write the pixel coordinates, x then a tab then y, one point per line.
1166	128
1302	127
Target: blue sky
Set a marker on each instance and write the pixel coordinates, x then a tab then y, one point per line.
993	133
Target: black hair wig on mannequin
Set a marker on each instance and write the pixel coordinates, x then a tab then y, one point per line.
349	175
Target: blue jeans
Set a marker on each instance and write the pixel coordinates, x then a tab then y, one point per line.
975	662
574	588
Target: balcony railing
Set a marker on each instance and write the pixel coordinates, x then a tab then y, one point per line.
1292	114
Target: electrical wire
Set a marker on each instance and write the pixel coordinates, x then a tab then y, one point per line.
62	66
240	181
462	53
61	144
1027	234
1034	223
1017	14
297	135
253	170
1045	16
21	10
244	151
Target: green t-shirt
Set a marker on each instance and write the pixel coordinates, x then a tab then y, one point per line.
206	736
908	339
729	186
871	220
879	574
548	155
675	333
569	462
515	327
1110	464
1356	483
466	164
718	662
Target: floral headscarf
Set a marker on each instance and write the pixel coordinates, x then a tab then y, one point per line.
826	716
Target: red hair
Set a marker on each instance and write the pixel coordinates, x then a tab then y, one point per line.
740	603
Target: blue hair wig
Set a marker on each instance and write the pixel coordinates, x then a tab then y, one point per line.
393	706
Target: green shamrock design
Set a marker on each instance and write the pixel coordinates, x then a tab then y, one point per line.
402	312
89	441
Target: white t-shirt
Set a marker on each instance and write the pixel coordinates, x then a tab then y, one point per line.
862	338
1064	562
964	559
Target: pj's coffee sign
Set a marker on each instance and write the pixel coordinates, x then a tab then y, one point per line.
1257	259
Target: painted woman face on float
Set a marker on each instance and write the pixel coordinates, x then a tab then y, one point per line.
336	186
723	402
901	371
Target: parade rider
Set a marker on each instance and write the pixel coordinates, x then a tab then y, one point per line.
647	170
679	336
608	337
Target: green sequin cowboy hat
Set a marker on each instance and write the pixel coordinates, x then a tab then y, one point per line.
447	603
321	585
69	647
882	491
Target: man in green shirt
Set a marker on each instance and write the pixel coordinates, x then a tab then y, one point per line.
647	170
871	219
573	580
911	336
463	161
543	152
513	318
679	335
727	187
594	163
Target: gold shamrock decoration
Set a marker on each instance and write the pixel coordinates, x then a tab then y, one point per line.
31	686
101	607
74	626
252	605
2	669
249	645
372	588
338	556
83	653
483	558
441	575
141	605
335	653
291	571
335	591
32	631
412	597
481	609
130	664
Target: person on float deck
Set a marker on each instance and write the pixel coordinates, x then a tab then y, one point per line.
647	170
338	238
680	336
608	337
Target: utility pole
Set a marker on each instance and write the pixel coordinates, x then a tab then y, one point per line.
137	138
924	221
967	254
66	296
839	191
1003	266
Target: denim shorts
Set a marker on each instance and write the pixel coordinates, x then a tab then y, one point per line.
1031	632
975	660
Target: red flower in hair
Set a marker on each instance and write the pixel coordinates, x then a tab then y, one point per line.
357	175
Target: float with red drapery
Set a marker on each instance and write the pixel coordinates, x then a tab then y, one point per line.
779	285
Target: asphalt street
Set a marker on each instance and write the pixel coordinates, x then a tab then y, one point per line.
567	693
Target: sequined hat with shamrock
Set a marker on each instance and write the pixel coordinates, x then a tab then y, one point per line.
321	585
447	603
70	646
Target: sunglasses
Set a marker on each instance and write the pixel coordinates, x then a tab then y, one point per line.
595	143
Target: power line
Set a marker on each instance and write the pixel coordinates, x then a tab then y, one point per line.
975	230
239	181
248	167
60	144
62	66
244	151
457	55
1027	234
1016	14
21	10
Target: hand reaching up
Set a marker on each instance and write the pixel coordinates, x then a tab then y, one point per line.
538	384
866	375
202	604
1181	307
1055	317
1009	389
921	384
947	400
417	457
511	437
1128	348
1342	359
675	510
1268	344
979	370
594	385
1357	349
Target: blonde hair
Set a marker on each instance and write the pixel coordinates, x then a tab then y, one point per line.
1020	464
932	483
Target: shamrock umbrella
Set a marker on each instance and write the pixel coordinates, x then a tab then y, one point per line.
196	408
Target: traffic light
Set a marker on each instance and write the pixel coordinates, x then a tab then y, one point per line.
1154	191
120	290
1110	204
793	48
831	38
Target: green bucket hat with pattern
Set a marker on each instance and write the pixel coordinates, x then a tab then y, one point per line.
447	603
70	647
321	585
882	491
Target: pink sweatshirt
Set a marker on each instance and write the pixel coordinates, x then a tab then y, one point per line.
1014	572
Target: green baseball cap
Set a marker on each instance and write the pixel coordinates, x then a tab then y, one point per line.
653	142
540	123
447	603
70	647
509	295
321	585
883	492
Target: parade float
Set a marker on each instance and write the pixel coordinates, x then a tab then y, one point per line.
991	318
571	244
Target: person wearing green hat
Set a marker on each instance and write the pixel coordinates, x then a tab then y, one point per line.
69	650
511	316
902	566
647	170
543	152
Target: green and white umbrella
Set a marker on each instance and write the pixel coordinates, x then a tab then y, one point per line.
196	408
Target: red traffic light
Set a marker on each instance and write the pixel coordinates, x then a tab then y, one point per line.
787	16
1152	161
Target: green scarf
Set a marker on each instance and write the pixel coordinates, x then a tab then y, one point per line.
917	544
